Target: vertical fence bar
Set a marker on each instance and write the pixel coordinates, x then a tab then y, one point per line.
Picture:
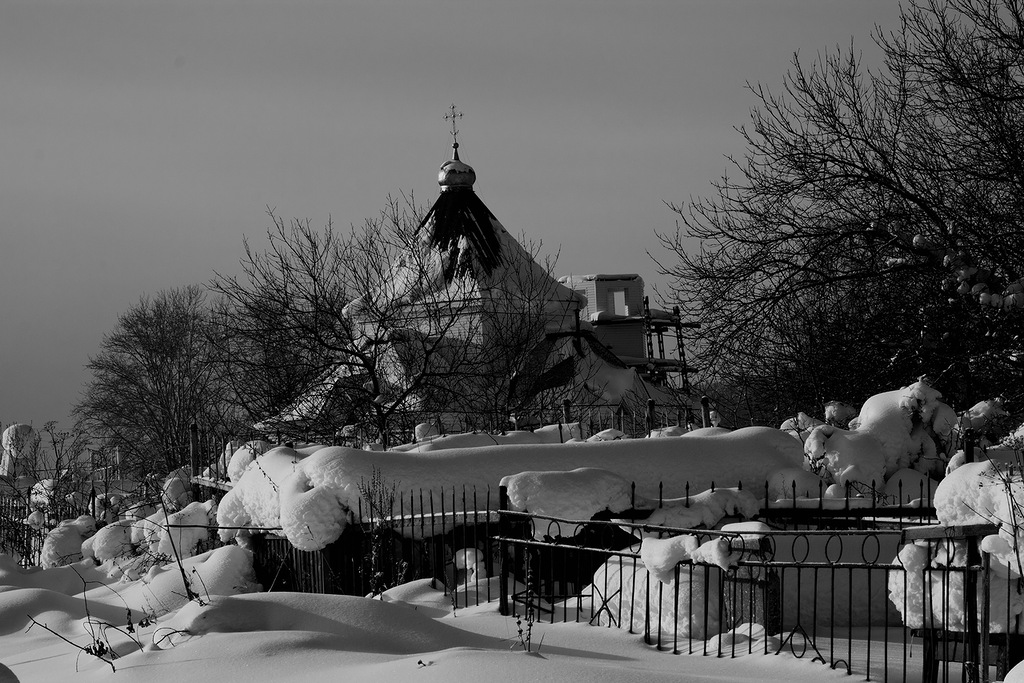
503	533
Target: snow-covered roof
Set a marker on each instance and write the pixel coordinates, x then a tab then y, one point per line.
597	277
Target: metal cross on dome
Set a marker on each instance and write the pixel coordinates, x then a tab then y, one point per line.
452	116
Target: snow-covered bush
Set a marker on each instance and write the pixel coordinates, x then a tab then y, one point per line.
987	492
110	542
800	426
176	489
185	529
929	591
844	457
839	414
255	498
911	424
313	514
63	544
243	456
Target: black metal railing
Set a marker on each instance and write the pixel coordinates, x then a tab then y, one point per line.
866	602
860	586
443	537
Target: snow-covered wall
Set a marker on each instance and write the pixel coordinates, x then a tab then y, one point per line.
312	494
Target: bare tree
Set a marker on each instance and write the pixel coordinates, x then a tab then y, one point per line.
48	454
897	190
382	325
152	379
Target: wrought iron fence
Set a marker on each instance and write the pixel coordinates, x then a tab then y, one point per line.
444	538
876	603
862	589
21	536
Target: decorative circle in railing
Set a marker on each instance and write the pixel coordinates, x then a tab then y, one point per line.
797	557
872	544
834	549
581	541
792	642
769	548
554	529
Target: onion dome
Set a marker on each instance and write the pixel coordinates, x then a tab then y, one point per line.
455	174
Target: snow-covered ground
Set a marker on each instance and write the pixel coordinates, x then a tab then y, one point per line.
409	634
207	618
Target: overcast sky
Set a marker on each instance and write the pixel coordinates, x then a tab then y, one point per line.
141	140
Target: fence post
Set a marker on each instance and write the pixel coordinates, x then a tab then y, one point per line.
650	415
503	607
972	649
986	608
193	458
705	411
566	411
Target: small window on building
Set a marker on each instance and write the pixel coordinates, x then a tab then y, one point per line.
617	301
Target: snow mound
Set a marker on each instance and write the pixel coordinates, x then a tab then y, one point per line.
557	433
424	595
361	624
907	485
664	432
59	611
792	482
223	571
610	434
705	509
707	431
578	494
67	579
